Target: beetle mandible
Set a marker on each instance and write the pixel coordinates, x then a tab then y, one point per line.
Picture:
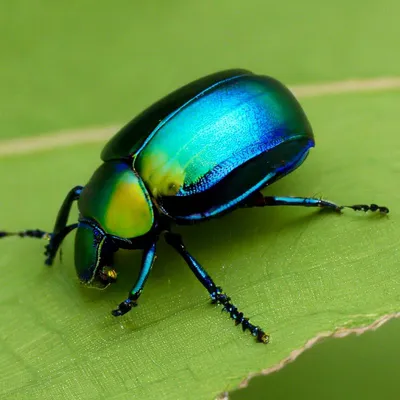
202	151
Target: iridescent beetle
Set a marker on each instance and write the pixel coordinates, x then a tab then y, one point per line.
202	151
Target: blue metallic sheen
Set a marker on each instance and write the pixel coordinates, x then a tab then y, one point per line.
148	259
131	137
270	177
217	133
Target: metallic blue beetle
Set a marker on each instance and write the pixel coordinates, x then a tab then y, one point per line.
202	151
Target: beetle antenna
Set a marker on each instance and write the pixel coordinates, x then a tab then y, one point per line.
32	233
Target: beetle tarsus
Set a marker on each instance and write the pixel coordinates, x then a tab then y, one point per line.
218	297
371	207
124	308
32	233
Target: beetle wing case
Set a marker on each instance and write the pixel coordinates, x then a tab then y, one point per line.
237	137
132	136
204	148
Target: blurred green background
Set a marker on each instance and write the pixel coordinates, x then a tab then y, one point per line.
88	63
76	63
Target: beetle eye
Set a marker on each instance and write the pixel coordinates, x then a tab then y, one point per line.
108	274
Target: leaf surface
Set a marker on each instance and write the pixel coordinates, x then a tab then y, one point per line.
296	272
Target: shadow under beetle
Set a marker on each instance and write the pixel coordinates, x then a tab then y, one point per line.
202	151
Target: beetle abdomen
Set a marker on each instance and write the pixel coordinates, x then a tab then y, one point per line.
246	123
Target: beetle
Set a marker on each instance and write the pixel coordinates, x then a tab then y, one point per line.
200	152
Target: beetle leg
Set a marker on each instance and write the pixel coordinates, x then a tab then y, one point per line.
216	294
55	239
60	229
33	233
148	259
55	242
258	200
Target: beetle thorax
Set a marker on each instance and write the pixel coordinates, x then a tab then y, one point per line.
116	198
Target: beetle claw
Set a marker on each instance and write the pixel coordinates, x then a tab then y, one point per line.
123	308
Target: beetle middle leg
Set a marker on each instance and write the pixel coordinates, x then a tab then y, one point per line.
216	294
148	259
259	200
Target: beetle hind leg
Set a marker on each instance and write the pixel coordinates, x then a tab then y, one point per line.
216	294
259	200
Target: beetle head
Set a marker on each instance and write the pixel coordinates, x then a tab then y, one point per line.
94	255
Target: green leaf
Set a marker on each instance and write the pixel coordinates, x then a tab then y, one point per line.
296	272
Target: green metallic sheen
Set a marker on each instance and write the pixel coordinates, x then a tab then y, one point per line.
132	136
242	119
88	246
117	200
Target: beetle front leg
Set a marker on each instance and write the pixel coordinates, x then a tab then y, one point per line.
216	294
55	240
148	259
259	200
60	229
